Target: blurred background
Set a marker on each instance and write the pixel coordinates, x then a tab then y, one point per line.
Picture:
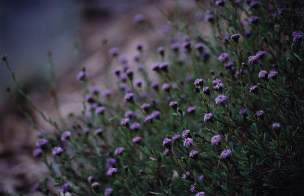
46	44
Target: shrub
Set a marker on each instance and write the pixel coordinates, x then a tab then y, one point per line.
223	117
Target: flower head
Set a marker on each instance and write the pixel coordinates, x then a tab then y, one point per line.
186	133
40	143
221	100
176	136
193	154
200	194
272	74
65	136
119	151
111	171
191	110
259	113
66	187
173	104
188	142
208	117
57	150
137	139
100	110
263	74
37	152
110	162
226	153
223	57
167	141
135	126
297	36
276	125
108	191
129	97
217	84
216	139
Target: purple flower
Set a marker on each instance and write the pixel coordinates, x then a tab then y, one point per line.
193	154
252	60
253	88
220	3
119	151
37	152
40	143
263	74
110	162
82	76
253	3
276	126
272	74
108	191
201	178
111	171
100	110
98	131
130	114
139	83
217	84
188	142
209	16
206	90
199	47
66	187
155	114
166	87
125	122
167	142
95	185
229	65
259	113
161	51
175	47
176	136
200	194
253	19
155	86
57	150
243	112
137	139
198	82
208	117
107	93
186	133
173	104
297	36
135	126
129	97
65	136
187	46
235	37
114	52
216	139
225	154
221	100
191	110
192	188
223	57
138	19
145	106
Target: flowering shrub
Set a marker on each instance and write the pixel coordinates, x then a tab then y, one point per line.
223	117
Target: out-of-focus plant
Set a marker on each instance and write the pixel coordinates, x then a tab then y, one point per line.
223	117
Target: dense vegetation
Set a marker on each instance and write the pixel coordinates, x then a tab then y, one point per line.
224	116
